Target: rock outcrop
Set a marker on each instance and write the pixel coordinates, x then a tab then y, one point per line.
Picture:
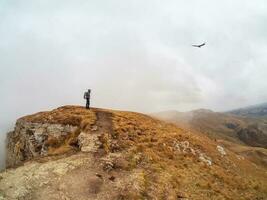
253	136
48	134
30	140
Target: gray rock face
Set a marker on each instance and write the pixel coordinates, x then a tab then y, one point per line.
253	136
30	140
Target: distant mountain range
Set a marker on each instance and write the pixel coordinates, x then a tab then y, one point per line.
259	110
243	131
246	125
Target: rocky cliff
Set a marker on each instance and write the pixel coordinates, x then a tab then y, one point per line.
32	140
74	153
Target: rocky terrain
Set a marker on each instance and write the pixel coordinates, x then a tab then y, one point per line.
74	153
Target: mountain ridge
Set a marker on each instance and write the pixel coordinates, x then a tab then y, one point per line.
241	129
71	153
258	110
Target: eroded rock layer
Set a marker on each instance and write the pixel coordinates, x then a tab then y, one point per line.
31	140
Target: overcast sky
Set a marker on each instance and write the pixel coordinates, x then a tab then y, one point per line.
133	54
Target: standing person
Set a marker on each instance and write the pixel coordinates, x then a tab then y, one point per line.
87	97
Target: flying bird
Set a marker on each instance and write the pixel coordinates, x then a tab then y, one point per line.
200	45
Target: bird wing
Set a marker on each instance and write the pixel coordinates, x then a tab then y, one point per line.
202	44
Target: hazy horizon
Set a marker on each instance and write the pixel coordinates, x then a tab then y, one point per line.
134	55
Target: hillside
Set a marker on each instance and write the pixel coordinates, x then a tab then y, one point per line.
259	110
237	129
74	153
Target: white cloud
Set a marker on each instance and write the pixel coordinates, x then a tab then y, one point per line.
145	45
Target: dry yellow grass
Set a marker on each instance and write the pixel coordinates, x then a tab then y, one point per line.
155	166
168	173
69	115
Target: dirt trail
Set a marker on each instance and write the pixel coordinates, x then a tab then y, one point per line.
90	181
92	140
103	122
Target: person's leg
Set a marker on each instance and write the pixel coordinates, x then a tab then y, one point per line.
87	103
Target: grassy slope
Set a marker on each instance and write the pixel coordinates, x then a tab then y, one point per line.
171	171
148	151
218	125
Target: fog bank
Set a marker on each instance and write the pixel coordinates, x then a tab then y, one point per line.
134	55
